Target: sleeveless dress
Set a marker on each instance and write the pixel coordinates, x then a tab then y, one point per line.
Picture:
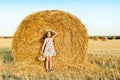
49	47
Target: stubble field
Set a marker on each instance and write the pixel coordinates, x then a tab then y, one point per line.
104	55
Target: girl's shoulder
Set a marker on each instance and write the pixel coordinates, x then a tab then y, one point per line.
45	39
49	38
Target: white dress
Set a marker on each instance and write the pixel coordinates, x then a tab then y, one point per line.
49	47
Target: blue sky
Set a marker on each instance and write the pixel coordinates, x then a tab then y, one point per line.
101	17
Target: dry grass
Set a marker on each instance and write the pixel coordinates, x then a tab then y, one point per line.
1	60
5	42
106	55
104	58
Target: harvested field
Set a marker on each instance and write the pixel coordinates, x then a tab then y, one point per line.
103	55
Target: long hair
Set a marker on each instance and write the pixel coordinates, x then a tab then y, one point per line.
45	35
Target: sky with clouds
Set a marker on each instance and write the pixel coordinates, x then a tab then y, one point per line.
101	17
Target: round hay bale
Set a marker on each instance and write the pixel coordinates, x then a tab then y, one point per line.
104	38
96	38
70	44
114	37
1	37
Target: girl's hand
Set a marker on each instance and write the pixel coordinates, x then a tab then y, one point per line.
42	52
54	54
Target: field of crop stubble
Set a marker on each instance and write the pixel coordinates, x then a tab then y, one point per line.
104	55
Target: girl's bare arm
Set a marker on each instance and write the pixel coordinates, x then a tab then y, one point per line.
55	34
43	45
53	31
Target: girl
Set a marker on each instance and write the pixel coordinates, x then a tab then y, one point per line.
48	49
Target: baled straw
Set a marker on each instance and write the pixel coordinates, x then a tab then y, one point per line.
96	38
70	44
104	38
114	37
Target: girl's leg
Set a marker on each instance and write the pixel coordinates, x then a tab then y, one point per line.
47	61
50	58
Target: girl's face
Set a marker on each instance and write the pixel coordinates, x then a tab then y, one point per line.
49	34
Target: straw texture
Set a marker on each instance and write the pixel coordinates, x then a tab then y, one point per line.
70	44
